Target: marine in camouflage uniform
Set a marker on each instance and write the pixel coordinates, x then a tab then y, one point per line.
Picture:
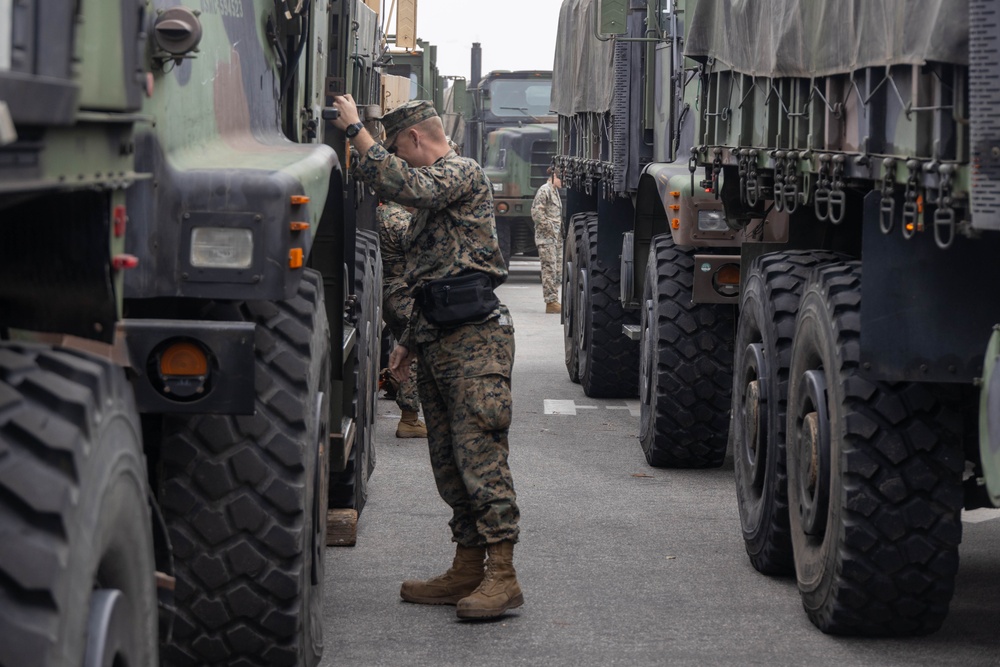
465	370
397	304
546	212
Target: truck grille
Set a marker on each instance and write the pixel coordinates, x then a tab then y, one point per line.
541	160
984	102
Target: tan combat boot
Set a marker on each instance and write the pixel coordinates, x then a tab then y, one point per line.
410	426
553	307
499	590
464	575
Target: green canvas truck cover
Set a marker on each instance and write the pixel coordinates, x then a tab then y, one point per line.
811	38
582	76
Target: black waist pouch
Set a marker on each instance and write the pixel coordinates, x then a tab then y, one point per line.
448	302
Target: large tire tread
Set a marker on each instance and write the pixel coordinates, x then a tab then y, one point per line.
609	362
781	277
349	488
570	310
891	559
69	435
238	495
685	420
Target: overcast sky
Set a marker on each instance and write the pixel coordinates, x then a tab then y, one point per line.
515	34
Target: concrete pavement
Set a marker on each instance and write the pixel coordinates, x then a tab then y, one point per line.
621	564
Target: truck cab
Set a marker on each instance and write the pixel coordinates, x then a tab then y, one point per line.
512	133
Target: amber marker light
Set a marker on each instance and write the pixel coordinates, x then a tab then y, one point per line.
185	359
676	223
179	370
299	226
299	200
728	274
726	280
675	193
295	258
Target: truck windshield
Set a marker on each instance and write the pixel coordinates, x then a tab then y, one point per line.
519	98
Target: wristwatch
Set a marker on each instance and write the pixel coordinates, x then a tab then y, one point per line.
352	130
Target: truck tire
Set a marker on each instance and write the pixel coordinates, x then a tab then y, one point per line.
769	302
522	237
349	488
570	282
874	477
685	365
76	527
244	498
504	240
608	361
388	342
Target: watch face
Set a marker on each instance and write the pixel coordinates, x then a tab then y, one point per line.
352	130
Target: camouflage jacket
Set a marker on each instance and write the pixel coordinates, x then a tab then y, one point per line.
546	211
393	226
453	229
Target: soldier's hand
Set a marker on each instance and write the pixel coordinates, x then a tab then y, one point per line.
399	363
348	109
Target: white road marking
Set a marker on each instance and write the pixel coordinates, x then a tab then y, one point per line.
6	28
564	407
980	515
631	406
555	406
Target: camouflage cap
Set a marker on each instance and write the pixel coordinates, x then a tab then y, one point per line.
404	116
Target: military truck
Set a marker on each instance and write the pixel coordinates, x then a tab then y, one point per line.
510	131
635	226
419	67
189	290
423	81
862	388
513	141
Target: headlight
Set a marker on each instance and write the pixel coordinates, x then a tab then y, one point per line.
221	248
712	221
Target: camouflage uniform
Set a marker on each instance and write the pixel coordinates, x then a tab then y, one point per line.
464	377
397	304
546	211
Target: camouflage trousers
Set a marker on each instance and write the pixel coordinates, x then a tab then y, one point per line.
396	309
551	256
407	396
465	390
